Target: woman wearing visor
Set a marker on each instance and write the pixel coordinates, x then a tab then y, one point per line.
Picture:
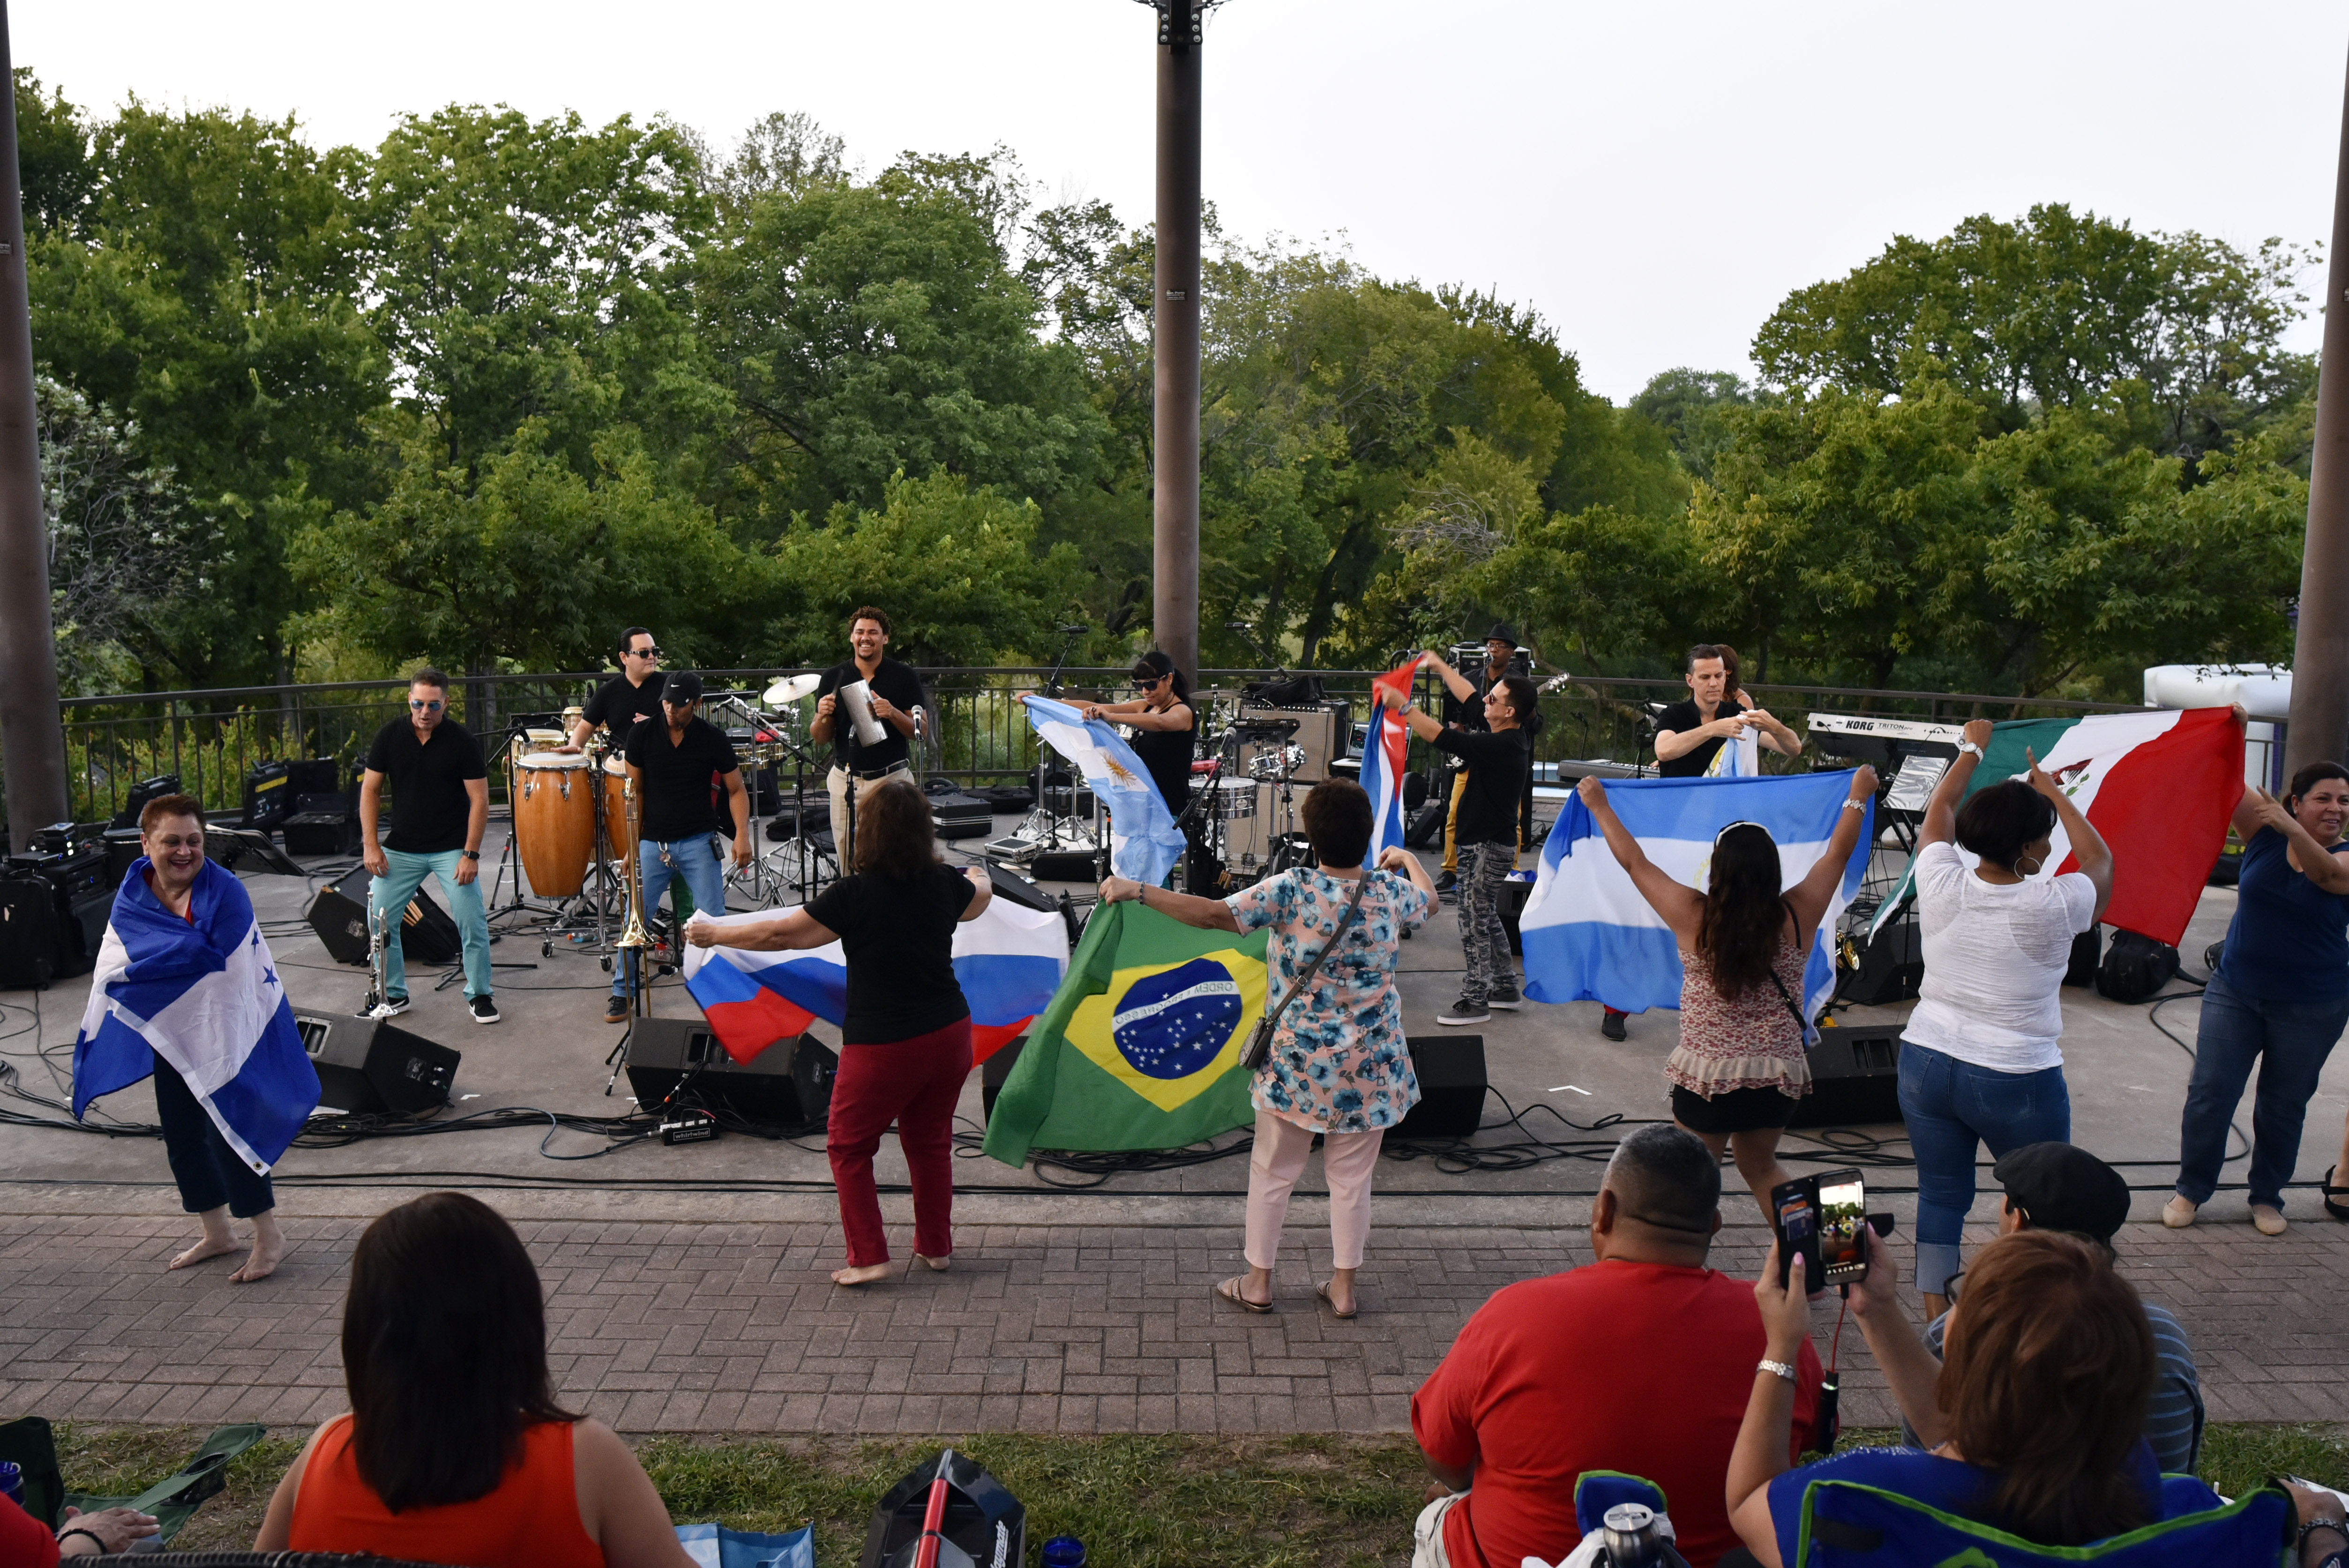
1739	1070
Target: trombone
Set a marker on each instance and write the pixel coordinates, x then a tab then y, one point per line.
632	943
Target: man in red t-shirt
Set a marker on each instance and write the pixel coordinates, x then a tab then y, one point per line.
1639	1364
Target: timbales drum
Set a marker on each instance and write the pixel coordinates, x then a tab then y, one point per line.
554	822
1235	799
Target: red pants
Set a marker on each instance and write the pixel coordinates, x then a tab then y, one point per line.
915	1084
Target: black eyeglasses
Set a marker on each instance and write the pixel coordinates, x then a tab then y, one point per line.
420	705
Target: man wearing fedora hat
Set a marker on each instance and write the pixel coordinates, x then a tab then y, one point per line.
1463	708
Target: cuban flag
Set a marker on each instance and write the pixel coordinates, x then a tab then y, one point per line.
1009	962
204	996
1590	937
1143	841
1383	759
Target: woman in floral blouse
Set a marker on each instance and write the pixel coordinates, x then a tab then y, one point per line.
1339	1066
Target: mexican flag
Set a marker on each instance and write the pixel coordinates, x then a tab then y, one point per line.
1141	1047
2159	784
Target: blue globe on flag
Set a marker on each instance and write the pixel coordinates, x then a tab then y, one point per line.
1172	1023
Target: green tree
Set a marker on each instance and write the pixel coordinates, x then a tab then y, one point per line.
1686	406
54	167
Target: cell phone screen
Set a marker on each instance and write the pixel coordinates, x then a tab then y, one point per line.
1798	1232
1842	1220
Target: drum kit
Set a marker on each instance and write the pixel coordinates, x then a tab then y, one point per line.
570	811
1246	795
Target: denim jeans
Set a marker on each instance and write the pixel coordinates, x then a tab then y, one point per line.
694	860
391	892
1950	1105
2289	1041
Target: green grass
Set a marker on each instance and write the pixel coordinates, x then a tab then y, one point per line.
1136	1502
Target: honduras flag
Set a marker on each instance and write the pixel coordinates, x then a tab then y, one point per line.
203	994
1009	962
1143	841
1589	935
1382	761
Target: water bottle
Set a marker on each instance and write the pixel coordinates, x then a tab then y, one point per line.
1064	1551
12	1481
1630	1538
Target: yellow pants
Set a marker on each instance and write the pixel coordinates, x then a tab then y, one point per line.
1451	822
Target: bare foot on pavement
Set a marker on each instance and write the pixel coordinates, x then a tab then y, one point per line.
864	1275
209	1247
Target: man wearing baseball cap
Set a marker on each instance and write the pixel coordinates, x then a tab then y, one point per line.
2059	1187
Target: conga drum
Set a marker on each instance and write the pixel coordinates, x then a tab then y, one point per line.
554	821
616	810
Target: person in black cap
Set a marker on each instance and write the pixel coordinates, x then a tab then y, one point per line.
674	764
2062	1187
1463	708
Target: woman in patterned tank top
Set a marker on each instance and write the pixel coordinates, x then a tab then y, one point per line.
1739	1070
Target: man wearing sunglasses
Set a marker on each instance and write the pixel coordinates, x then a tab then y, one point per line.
439	810
632	695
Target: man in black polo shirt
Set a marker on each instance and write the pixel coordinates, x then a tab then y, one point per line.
1496	760
632	695
439	809
673	761
895	694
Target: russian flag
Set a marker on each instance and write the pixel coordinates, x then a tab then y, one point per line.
1008	961
1591	936
203	994
1383	759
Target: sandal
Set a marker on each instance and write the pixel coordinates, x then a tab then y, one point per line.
1323	1290
2338	1211
1230	1291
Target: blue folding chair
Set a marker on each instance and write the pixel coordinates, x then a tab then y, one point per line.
1848	1524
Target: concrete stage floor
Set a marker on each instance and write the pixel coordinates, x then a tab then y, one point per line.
687	1285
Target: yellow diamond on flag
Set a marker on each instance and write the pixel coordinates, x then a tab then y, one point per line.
1168	1031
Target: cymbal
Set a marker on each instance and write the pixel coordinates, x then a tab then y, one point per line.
790	688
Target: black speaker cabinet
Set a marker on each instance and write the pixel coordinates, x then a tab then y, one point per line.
373	1067
1010	884
1891	966
993	1072
28	932
1451	1073
2087	952
1855	1077
339	915
789	1084
1515	889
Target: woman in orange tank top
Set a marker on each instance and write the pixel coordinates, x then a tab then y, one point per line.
455	1451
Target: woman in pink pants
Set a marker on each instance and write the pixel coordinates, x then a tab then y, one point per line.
1339	1065
905	1044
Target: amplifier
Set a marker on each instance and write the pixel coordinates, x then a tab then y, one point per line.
268	797
315	776
81	897
122	847
1891	966
371	1066
789	1084
339	915
322	824
961	816
28	931
1322	730
1451	1073
1855	1077
146	789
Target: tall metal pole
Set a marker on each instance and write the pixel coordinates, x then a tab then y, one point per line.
2320	654
1175	477
32	732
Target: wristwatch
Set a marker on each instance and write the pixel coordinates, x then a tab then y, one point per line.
1967	748
473	854
1783	1369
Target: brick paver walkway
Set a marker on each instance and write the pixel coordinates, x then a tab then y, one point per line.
734	1327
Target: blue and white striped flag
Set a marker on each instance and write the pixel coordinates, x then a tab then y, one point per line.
1589	936
205	996
1143	841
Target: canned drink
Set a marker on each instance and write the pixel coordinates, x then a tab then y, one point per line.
1628	1534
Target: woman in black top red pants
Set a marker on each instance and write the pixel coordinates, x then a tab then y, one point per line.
905	1044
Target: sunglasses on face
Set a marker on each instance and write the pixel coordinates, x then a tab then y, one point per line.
643	653
1150	684
420	705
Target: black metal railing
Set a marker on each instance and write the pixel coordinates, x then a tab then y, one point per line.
212	738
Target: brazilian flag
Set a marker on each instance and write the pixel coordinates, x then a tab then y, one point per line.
1140	1048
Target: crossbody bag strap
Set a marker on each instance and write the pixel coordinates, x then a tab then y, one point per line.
1314	968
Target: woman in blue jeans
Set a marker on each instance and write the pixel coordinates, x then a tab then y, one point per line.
1981	1059
2280	999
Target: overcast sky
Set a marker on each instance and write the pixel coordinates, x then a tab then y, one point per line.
1653	178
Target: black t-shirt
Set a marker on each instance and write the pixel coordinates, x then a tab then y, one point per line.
429	804
618	706
675	782
1167	754
1682	718
1496	783
895	682
1468	713
899	939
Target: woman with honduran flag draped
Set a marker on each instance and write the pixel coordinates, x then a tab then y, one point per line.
906	1035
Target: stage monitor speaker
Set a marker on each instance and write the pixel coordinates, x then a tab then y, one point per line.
1451	1073
789	1084
1062	865
1515	888
372	1067
339	915
1010	884
1891	966
982	1524
994	1072
1855	1077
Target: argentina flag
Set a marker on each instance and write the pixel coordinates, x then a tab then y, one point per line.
1143	841
203	994
1589	936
